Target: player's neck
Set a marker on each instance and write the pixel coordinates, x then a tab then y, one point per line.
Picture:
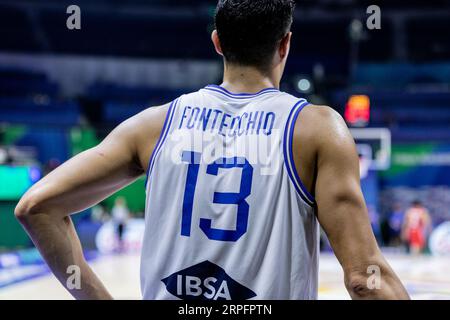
240	79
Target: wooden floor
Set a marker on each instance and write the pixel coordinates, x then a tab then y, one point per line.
425	277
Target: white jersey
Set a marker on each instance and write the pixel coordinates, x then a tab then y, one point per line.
227	216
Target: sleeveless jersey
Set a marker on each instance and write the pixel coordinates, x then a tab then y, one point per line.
227	216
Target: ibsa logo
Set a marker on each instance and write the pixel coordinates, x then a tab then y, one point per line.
206	281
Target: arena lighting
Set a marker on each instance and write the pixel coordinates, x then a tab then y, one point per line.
304	85
35	174
357	110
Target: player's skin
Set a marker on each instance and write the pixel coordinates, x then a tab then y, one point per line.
324	150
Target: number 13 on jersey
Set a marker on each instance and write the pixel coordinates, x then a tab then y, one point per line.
238	199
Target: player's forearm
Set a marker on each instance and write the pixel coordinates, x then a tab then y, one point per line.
58	243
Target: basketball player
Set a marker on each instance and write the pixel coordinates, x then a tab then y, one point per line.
416	226
220	224
120	215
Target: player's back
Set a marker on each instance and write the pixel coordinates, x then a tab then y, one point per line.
227	216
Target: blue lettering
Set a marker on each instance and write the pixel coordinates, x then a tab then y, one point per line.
240	133
260	122
252	122
184	116
204	118
193	119
228	125
268	128
223	124
234	131
217	112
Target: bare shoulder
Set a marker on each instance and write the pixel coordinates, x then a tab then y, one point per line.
321	136
322	125
150	119
142	131
322	118
148	126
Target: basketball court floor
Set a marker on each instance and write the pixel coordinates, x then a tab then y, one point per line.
425	277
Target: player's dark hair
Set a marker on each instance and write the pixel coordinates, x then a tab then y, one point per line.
250	30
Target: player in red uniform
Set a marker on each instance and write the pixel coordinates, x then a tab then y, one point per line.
416	227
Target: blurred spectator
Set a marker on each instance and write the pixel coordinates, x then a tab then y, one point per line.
416	227
3	155
99	214
375	222
120	214
395	222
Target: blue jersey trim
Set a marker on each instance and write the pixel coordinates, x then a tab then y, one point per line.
224	91
239	94
237	97
162	138
289	156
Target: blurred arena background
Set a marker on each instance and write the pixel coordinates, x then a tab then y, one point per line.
62	91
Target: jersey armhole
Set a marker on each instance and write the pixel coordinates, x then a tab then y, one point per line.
164	132
289	156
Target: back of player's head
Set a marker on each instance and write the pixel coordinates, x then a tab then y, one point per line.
251	30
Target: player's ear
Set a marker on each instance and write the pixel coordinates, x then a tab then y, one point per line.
285	45
216	42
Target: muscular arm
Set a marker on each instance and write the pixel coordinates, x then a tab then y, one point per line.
80	183
341	207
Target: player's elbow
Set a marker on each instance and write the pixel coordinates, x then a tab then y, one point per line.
357	284
27	207
378	281
364	275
